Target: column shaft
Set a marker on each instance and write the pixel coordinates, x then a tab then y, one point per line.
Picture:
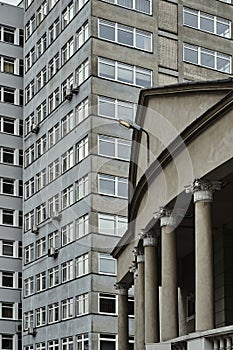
139	308
123	325
204	267
169	304
151	295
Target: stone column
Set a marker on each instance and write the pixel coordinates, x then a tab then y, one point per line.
204	283
123	324
139	304
151	288
169	302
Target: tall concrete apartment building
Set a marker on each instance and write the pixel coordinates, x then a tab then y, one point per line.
11	161
85	63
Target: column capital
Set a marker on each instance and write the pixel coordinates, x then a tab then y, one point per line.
122	287
139	254
203	190
150	238
166	216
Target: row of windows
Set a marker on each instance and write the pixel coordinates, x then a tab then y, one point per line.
10	248
124	73
11	65
80	75
207	22
105	342
10	279
53	277
67	50
10	217
207	58
66	311
11	35
125	35
144	6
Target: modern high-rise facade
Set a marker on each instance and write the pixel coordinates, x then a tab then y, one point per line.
11	185
85	63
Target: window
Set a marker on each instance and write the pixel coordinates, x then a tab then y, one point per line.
53	279
28	220
114	147
66	85
41	12
41	247
52	3
107	303
53	206
81	188
53	135
207	22
53	240
82	35
29	188
41	179
30	27
67	197
82	72
53	170
7	310
67	124
28	286
67	343
67	234
8	64
41	281
41	146
112	224
8	94
8	217
30	59
40	316
41	112
28	319
67	308
7	155
40	346
7	342
29	121
29	155
8	186
82	149
207	58
82	226
67	160
125	73
82	265
81	304
67	50
67	271
53	344
41	45
82	111
80	4
117	109
107	264
67	14
125	35
29	253
82	341
41	79
54	30
7	248
53	100
8	35
53	66
107	341
113	185
138	5
53	313
8	279
41	213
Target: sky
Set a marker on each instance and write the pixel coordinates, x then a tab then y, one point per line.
12	2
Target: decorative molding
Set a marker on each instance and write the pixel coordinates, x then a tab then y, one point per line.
150	238
203	190
166	216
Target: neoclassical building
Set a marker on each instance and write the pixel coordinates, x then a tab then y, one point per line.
178	249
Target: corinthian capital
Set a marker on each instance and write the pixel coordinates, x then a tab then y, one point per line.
203	190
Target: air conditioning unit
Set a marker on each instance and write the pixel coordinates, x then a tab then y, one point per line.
52	252
68	94
18	328
32	331
56	215
35	128
35	229
75	88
